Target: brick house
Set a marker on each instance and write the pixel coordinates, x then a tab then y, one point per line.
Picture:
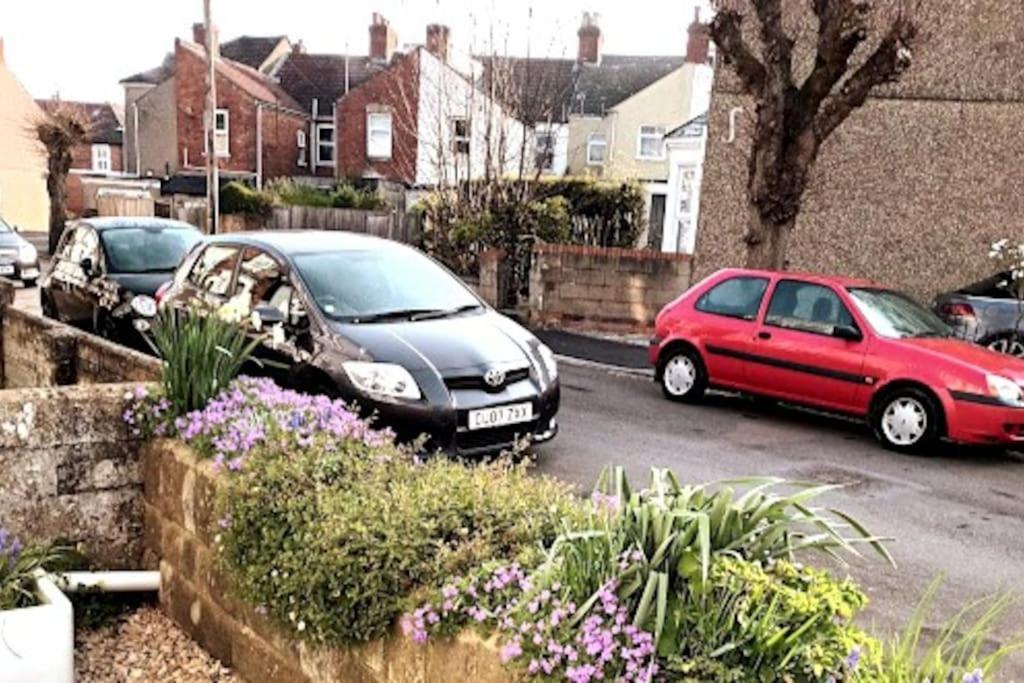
913	188
419	120
260	129
100	156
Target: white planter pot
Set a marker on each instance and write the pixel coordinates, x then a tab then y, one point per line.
37	644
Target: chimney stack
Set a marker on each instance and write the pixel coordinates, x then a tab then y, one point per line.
698	40
437	41
199	34
383	39
590	40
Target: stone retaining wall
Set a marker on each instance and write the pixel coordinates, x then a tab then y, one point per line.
180	528
69	470
603	287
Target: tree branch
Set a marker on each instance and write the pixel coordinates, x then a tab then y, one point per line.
891	58
727	32
842	27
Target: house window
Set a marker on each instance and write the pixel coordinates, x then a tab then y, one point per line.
325	144
597	148
545	150
300	142
101	158
460	135
222	133
378	135
651	143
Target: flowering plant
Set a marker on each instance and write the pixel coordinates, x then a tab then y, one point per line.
250	412
18	565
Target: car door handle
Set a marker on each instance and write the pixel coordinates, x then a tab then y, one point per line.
764	335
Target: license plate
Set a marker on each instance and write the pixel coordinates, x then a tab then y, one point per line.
498	416
6	270
30	273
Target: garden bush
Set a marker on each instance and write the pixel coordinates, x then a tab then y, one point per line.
18	566
342	196
239	198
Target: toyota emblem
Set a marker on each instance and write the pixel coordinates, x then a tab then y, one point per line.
494	378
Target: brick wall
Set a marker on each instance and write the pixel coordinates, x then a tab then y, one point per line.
180	525
603	288
280	128
494	277
397	90
69	470
81	159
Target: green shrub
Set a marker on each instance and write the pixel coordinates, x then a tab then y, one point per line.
331	542
343	196
201	354
239	198
18	567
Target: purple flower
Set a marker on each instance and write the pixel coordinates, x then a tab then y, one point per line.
510	651
974	677
853	659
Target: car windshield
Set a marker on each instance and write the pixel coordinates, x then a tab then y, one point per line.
147	250
4	227
896	315
381	284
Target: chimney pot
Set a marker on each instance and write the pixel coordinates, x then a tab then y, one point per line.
437	40
698	41
199	33
383	39
589	39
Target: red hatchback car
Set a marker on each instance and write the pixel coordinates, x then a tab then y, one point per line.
842	345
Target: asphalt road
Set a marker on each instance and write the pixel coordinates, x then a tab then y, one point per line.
959	513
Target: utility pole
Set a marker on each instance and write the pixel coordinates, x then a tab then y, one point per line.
210	123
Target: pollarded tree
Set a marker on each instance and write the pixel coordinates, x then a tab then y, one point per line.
794	118
60	131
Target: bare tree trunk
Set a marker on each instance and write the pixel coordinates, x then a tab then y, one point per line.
766	241
56	183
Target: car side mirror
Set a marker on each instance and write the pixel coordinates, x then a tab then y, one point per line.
88	267
268	316
847	333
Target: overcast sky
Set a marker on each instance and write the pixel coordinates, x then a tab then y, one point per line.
82	48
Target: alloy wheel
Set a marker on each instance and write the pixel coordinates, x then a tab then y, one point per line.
905	421
680	375
1011	346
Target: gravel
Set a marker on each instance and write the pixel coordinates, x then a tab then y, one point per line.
144	646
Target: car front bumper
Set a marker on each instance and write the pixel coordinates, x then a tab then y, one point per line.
978	420
16	270
445	423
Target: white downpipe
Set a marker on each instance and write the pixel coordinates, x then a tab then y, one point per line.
108	582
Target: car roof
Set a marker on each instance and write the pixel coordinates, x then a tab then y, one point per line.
305	241
818	278
116	222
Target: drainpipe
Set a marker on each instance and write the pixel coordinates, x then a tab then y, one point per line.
108	582
259	145
138	152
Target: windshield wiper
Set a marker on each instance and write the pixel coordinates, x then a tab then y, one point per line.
929	335
399	314
430	315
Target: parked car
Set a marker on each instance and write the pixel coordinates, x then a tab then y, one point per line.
19	260
986	312
384	327
841	345
106	271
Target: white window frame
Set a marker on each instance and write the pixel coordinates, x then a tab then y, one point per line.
375	121
592	143
320	145
222	138
102	160
459	140
302	143
659	137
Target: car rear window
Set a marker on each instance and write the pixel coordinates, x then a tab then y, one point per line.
737	297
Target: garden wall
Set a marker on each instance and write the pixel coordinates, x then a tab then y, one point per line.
180	528
603	287
69	470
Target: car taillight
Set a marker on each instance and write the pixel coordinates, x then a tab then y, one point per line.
956	310
162	290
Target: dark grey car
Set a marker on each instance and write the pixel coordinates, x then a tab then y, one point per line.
986	312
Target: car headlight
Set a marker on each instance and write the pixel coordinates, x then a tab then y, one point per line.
547	359
1006	390
382	379
27	253
144	305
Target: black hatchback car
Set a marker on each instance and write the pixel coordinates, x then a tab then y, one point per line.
382	326
106	271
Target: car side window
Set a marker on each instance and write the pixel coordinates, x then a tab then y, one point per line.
807	307
66	242
262	282
737	297
84	244
213	269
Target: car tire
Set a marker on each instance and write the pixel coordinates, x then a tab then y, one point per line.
28	284
47	307
1009	343
682	375
907	420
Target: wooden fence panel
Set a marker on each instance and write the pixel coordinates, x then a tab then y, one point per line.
401	227
121	205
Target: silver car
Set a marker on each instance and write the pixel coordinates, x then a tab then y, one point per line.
986	312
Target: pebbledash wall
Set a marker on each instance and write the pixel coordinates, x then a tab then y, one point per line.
596	287
180	533
916	185
69	467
